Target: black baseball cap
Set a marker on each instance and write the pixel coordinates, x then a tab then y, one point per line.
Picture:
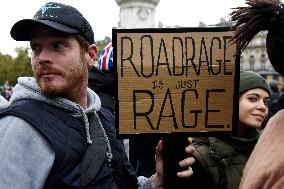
63	18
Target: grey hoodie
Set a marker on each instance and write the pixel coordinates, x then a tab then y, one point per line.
26	157
3	101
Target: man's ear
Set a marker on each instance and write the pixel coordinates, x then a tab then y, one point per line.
92	55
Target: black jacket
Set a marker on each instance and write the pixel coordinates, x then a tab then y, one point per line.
67	136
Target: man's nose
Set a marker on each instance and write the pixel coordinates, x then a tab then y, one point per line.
44	56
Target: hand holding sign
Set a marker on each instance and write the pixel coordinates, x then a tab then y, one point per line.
158	178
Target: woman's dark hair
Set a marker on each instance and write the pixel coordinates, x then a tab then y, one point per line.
261	15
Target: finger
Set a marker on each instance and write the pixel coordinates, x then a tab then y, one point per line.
190	150
185	174
189	140
159	149
187	162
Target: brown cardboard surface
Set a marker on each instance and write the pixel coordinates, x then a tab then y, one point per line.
175	82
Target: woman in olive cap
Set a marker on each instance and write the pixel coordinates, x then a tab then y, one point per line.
219	161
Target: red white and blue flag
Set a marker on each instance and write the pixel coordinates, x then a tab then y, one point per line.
106	59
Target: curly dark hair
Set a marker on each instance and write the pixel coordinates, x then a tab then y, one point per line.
261	15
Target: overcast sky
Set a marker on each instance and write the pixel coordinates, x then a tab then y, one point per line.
103	15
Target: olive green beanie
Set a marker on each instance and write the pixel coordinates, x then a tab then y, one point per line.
251	80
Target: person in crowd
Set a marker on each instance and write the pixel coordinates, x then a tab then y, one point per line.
276	105
275	89
276	97
219	161
265	167
101	78
7	90
55	134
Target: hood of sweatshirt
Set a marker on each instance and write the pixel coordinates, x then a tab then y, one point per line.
27	88
3	101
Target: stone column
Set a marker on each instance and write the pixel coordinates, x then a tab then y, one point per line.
137	13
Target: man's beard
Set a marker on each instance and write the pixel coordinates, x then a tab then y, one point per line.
77	77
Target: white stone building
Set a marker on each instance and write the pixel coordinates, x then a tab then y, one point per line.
255	58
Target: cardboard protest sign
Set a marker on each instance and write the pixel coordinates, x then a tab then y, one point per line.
175	80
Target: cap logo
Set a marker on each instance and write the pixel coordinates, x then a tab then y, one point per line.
47	6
